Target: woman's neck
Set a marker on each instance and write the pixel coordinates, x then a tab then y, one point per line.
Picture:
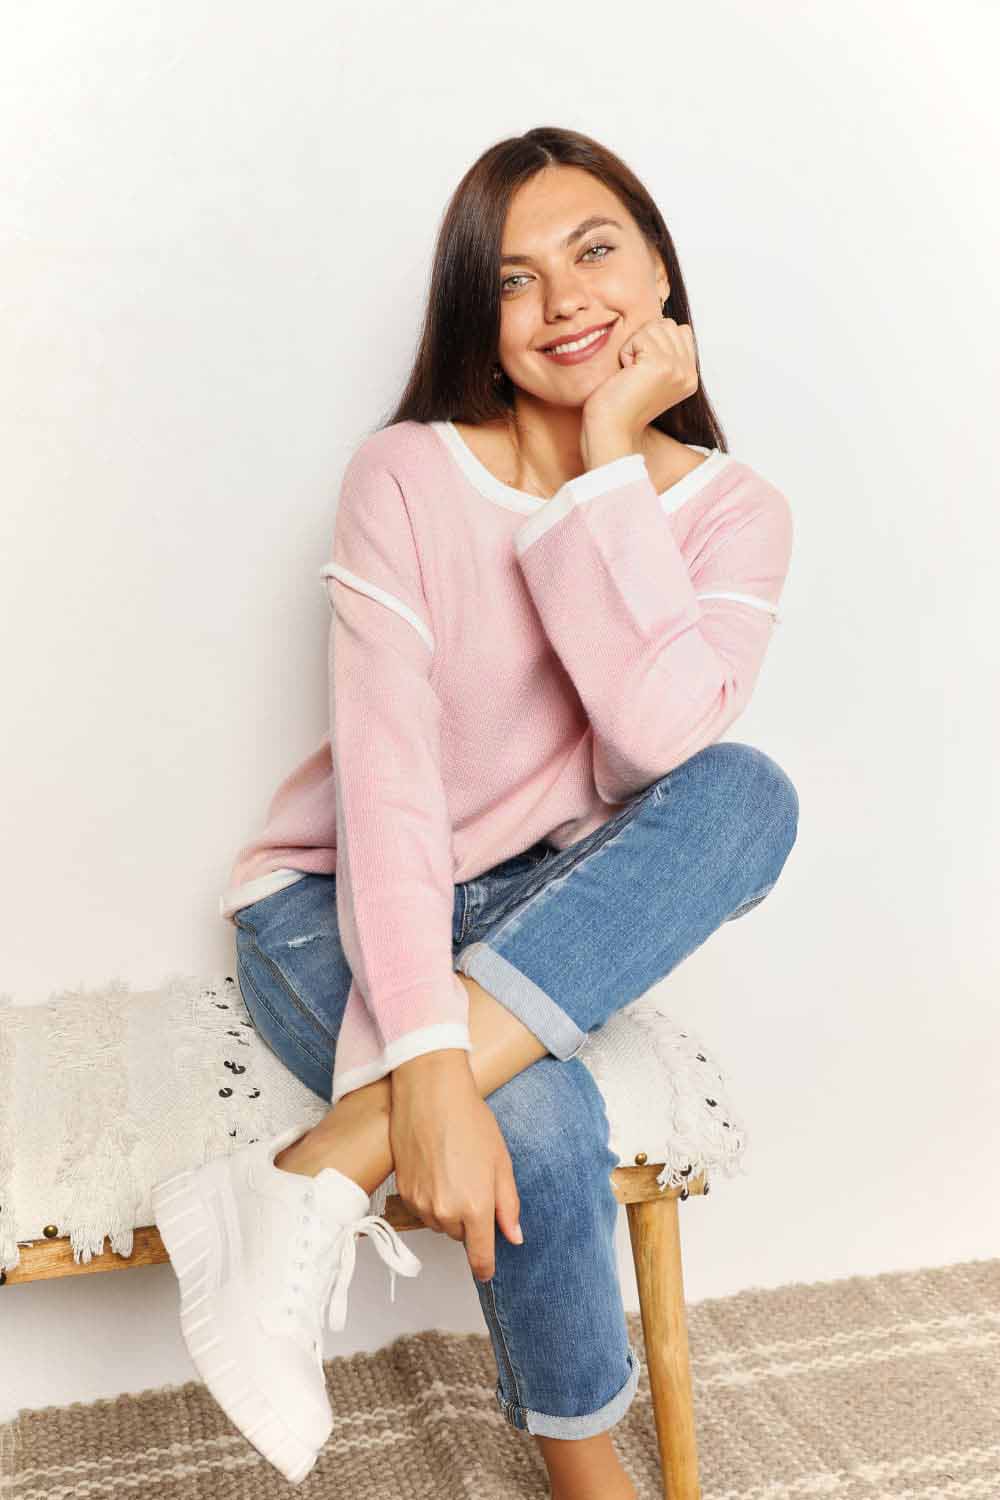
539	456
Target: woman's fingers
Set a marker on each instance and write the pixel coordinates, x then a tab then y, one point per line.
479	1243
508	1204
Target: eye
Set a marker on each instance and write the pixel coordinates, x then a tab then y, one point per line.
520	276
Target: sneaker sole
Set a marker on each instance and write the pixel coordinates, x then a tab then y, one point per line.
185	1228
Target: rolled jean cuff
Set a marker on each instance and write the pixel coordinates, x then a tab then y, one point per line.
577	1427
523	998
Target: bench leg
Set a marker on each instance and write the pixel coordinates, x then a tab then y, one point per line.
654	1230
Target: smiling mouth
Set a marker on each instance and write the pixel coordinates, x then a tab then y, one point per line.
587	344
587	333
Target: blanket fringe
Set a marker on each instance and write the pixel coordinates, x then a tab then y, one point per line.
154	1081
701	1130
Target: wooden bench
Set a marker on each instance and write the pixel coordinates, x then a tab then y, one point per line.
638	1049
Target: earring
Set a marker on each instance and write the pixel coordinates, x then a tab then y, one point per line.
497	373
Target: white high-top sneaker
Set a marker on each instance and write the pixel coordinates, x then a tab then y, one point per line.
259	1254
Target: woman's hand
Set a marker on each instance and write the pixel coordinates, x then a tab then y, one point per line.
659	370
451	1161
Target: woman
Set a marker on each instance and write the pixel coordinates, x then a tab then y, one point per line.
552	590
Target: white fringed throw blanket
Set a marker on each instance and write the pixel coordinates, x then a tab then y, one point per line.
105	1092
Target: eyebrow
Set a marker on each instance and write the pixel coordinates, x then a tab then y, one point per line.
575	234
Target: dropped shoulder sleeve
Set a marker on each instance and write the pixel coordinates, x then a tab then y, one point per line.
395	878
663	655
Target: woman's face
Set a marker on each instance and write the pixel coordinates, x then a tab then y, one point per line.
551	291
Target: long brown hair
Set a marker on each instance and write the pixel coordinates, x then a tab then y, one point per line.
452	374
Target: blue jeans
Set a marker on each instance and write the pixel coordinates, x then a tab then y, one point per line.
564	939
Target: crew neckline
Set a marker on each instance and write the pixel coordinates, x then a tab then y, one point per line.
511	498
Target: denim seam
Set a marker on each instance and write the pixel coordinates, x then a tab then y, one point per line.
518	906
464	923
490	1288
242	970
296	1000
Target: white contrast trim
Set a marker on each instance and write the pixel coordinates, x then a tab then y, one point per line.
675	495
413	1044
612	475
239	896
616	472
510	498
479	475
353	581
765	604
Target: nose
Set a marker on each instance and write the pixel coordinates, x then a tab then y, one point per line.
564	300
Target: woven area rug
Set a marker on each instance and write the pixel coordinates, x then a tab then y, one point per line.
859	1388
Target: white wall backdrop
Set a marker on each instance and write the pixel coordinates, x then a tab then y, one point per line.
216	233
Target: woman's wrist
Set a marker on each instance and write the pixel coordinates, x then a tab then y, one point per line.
603	445
444	1060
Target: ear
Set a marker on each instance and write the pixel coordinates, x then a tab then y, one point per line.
660	272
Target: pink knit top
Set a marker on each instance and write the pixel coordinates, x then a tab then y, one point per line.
502	669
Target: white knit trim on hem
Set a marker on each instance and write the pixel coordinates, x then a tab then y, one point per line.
630	468
434	1038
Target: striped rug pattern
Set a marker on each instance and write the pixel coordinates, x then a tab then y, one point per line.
853	1389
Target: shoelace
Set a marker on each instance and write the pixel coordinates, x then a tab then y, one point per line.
338	1278
389	1246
